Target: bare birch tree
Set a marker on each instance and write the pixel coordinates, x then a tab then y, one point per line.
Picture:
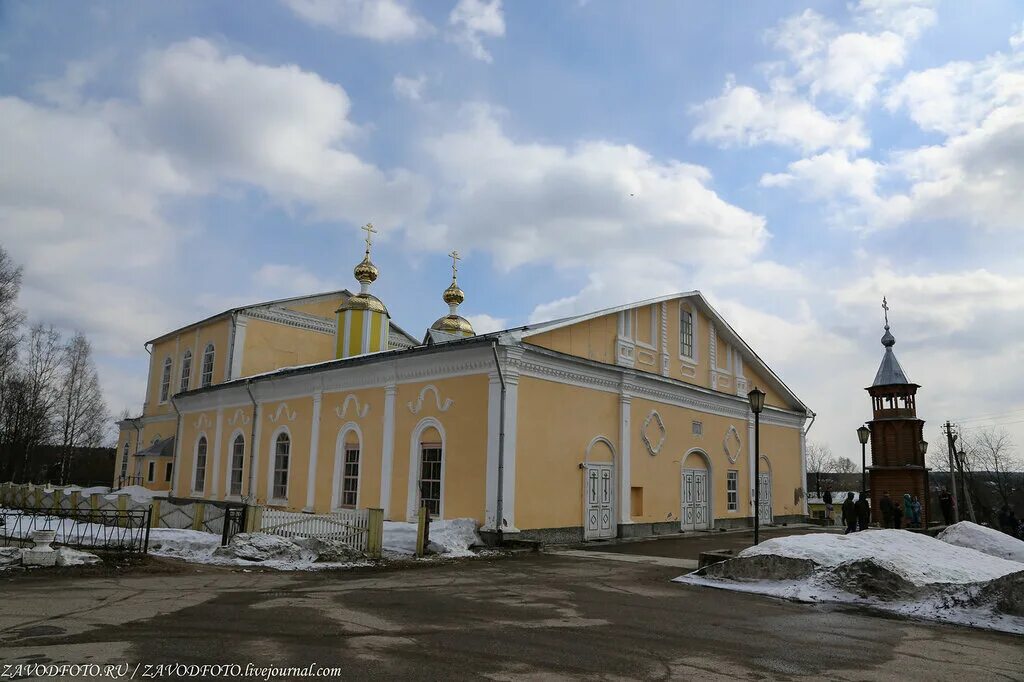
83	413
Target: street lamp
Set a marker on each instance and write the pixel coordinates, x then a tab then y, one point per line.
863	433
756	397
922	449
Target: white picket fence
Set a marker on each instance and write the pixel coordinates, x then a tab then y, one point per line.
361	529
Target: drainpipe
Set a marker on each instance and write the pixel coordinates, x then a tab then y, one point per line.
499	520
250	497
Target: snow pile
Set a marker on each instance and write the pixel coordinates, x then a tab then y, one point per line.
9	556
86	492
895	570
452	538
72	557
252	550
987	540
138	493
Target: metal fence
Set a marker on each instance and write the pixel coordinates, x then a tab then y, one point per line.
234	522
118	530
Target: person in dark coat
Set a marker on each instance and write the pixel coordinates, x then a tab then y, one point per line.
885	504
946	505
849	514
897	516
827	499
863	511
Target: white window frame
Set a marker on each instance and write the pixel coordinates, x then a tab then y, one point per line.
165	380
231	466
626	324
124	460
272	498
415	453
688	307
206	378
201	440
732	490
340	450
186	371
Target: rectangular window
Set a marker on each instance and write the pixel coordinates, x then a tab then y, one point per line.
281	468
124	463
686	332
152	471
732	490
237	455
350	478
167	473
698	428
199	483
627	324
430	479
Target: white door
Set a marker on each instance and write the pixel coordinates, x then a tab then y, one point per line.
598	502
765	497
696	514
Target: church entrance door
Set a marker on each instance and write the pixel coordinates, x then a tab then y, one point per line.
695	513
598	502
764	511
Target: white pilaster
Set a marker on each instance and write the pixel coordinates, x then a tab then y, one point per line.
493	444
625	463
664	339
237	348
254	459
508	477
314	448
387	448
216	453
175	467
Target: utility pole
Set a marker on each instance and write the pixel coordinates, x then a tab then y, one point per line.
963	481
950	447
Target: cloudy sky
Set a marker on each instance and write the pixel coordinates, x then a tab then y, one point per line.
164	161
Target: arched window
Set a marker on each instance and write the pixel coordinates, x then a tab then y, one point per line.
186	370
282	452
207	377
124	462
165	381
431	456
686	328
200	480
350	471
237	455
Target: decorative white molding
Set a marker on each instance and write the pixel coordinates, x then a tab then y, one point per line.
216	455
293	318
625	353
594	441
442	407
732	444
283	408
664	339
624	465
239	417
360	412
203	422
645	357
653	448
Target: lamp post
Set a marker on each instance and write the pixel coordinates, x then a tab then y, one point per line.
863	433
922	449
756	397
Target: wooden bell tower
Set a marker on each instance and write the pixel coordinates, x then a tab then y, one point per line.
897	435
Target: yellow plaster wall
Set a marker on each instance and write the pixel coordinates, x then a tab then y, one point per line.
295	415
194	424
328	457
235	420
270	346
465	454
196	340
593	339
659	475
782	448
555	424
325	308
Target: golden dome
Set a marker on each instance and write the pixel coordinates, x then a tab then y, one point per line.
453	295
363	301
454	324
366	272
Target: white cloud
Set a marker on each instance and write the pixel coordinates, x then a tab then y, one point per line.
381	20
743	116
409	87
593	203
278	280
908	18
484	323
472	20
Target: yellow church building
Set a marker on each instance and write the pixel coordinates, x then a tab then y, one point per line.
623	422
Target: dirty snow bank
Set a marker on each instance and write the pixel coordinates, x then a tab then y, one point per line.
452	538
895	570
252	550
987	540
138	493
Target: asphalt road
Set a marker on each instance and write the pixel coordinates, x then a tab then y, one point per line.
521	617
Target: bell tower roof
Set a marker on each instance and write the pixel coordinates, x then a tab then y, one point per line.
889	372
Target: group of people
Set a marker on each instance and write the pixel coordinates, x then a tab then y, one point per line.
1009	524
856	514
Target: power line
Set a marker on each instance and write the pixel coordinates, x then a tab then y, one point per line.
994	415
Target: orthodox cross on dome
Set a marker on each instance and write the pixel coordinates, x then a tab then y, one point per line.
454	255
885	307
370	231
